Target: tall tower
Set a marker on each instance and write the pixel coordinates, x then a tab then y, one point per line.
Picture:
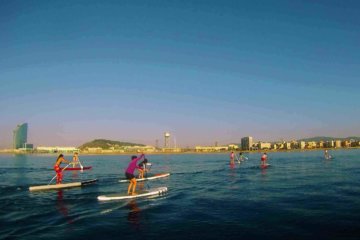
20	136
166	140
246	143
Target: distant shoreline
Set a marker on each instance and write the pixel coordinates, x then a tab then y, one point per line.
176	153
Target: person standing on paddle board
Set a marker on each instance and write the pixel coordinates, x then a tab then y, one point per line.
142	166
326	154
57	168
129	173
75	159
263	159
241	157
232	158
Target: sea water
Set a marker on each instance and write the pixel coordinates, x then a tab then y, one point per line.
300	196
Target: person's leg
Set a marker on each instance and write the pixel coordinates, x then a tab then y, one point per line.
58	172
129	187
134	185
60	176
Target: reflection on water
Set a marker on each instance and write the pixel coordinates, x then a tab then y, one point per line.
62	207
232	165
134	213
20	162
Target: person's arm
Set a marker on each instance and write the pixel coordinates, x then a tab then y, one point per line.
136	160
65	161
139	158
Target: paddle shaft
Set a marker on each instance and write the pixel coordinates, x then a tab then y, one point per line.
236	156
80	164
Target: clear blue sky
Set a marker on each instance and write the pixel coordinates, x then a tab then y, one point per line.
204	70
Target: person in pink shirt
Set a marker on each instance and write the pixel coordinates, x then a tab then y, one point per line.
129	173
232	158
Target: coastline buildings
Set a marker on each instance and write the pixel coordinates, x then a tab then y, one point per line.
247	143
264	145
211	148
56	149
20	145
20	136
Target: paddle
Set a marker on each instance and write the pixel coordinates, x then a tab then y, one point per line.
81	165
237	158
148	169
56	174
147	164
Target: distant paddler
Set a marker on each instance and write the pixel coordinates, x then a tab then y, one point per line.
232	158
241	157
76	160
326	154
263	159
58	170
143	166
129	173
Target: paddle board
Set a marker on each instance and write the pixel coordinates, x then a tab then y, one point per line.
159	175
76	168
264	165
61	186
147	193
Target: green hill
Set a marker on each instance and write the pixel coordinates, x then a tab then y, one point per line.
107	144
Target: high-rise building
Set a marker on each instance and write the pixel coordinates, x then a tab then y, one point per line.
20	136
246	143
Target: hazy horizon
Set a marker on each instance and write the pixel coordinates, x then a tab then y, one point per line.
205	71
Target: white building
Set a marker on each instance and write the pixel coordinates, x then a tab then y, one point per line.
56	149
264	145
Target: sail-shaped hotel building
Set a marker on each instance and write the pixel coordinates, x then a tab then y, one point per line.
20	136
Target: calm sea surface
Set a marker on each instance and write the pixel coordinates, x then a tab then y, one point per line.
300	196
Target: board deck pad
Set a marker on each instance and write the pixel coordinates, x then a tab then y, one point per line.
147	193
151	177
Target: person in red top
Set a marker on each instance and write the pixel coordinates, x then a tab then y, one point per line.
59	175
263	159
129	173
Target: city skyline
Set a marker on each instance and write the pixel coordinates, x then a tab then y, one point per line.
245	142
204	72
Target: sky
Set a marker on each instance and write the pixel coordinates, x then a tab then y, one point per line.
205	71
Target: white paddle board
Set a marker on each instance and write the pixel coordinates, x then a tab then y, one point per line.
159	175
61	186
147	193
